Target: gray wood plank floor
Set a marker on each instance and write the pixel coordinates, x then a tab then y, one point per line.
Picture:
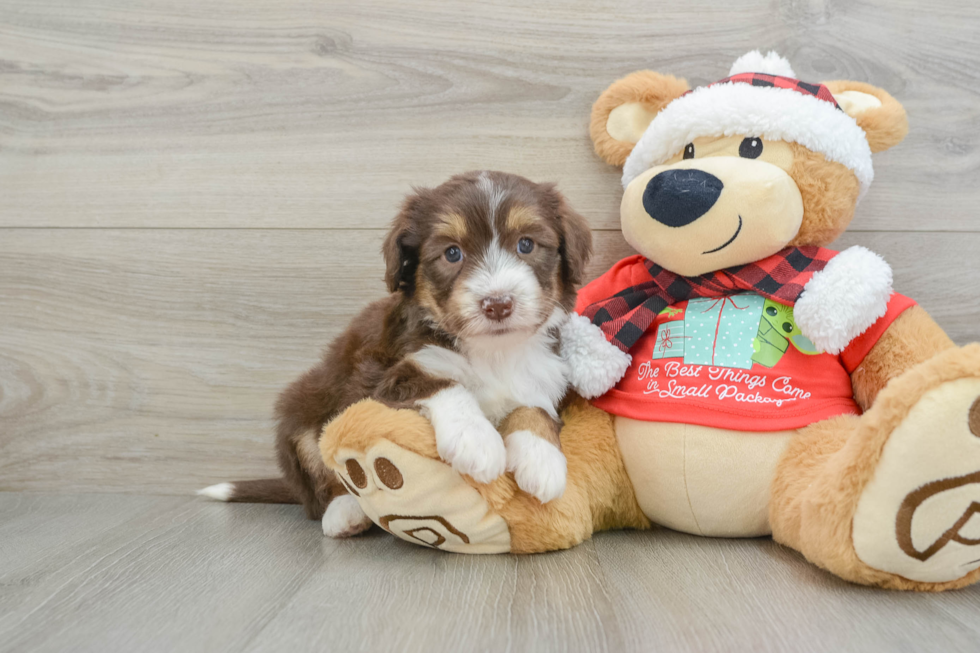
156	573
192	196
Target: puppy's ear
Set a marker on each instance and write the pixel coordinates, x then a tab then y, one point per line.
401	246
625	109
575	247
880	115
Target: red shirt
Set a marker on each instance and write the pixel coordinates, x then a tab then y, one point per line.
737	363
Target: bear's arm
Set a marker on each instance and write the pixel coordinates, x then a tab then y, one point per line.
912	338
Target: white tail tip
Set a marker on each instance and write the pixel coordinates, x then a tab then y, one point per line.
219	492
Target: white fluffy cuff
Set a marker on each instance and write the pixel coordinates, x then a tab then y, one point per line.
844	299
594	364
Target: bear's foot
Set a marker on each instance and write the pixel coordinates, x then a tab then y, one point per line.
892	498
919	515
387	460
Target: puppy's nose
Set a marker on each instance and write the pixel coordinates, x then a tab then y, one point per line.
679	197
497	308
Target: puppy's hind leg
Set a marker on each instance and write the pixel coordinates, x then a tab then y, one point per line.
344	518
324	495
313	484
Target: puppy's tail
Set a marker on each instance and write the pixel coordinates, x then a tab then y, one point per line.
267	490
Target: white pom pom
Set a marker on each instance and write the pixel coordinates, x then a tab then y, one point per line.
755	62
594	364
844	299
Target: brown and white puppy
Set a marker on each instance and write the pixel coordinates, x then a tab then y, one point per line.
483	271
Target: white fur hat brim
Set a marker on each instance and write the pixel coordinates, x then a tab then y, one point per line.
736	108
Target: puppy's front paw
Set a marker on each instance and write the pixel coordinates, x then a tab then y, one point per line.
344	518
472	447
464	437
539	467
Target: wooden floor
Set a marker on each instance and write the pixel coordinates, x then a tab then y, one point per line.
192	198
157	573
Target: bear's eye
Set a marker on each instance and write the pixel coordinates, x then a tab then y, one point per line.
771	311
453	254
750	148
787	327
689	151
525	245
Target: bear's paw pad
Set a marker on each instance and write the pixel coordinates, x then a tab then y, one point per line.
420	500
919	516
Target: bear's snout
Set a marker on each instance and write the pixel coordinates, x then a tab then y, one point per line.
678	197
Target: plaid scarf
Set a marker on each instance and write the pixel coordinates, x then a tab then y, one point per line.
625	316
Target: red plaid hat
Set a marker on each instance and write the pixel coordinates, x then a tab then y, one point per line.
760	97
765	80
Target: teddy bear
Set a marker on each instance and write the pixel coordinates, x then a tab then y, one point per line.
734	378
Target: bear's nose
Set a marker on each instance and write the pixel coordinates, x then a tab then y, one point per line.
679	197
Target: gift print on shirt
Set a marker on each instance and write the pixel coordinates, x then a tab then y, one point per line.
733	332
741	354
777	330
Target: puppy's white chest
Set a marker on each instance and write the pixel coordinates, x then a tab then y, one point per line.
536	379
502	379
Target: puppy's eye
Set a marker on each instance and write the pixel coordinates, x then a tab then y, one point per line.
750	148
525	245
689	151
453	254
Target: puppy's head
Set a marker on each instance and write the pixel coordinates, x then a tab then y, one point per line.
487	254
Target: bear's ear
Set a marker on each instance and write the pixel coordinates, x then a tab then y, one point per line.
880	115
625	109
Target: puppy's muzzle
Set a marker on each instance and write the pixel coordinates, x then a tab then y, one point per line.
679	197
497	308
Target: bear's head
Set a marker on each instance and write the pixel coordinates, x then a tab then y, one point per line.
735	171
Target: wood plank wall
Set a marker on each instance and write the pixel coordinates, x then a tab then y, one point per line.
192	194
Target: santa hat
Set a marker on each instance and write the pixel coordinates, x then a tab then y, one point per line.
760	97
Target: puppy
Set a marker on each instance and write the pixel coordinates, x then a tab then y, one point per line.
482	271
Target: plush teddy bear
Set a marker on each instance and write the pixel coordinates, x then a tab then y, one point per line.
743	379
